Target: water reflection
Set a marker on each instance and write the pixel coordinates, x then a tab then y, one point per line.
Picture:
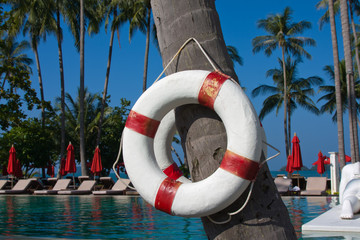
118	217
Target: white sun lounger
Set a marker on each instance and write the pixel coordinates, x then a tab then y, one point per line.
85	187
118	189
23	186
61	184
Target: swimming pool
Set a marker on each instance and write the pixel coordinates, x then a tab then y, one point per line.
117	217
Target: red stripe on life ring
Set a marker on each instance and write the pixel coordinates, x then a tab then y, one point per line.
173	171
239	165
210	88
166	194
142	124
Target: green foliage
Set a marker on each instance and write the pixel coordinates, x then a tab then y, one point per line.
112	126
11	102
35	146
298	89
112	131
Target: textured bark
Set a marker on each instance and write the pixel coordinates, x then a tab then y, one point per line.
41	86
146	59
81	98
103	100
357	59
349	73
62	85
202	133
286	133
339	109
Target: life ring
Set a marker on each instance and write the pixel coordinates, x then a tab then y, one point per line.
241	160
163	142
162	148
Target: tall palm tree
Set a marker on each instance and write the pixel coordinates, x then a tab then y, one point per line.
117	11
283	34
84	170
330	14
91	115
35	17
298	91
140	18
349	80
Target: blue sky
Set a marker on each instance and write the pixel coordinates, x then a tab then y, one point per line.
238	20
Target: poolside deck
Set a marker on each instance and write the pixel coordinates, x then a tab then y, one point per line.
330	224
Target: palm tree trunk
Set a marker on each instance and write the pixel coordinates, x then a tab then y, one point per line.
146	49
204	153
41	94
354	120
339	110
41	85
289	125
349	71
62	86
287	141
81	98
103	100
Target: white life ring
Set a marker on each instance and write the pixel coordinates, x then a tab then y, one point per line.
162	148
241	160
163	142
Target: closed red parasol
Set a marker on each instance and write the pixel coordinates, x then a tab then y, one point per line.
18	171
70	166
289	168
12	161
96	166
62	167
296	153
320	163
296	156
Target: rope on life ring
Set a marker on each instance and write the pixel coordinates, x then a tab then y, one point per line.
239	165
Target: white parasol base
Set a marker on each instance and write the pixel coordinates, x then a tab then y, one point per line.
329	224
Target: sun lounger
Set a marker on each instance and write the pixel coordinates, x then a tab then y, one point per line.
118	189
3	183
130	191
24	186
85	187
282	185
315	186
107	183
83	178
61	184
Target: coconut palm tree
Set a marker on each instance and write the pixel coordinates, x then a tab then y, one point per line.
36	19
92	108
298	91
330	15
350	80
117	10
283	34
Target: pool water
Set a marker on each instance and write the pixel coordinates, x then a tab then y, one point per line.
117	217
